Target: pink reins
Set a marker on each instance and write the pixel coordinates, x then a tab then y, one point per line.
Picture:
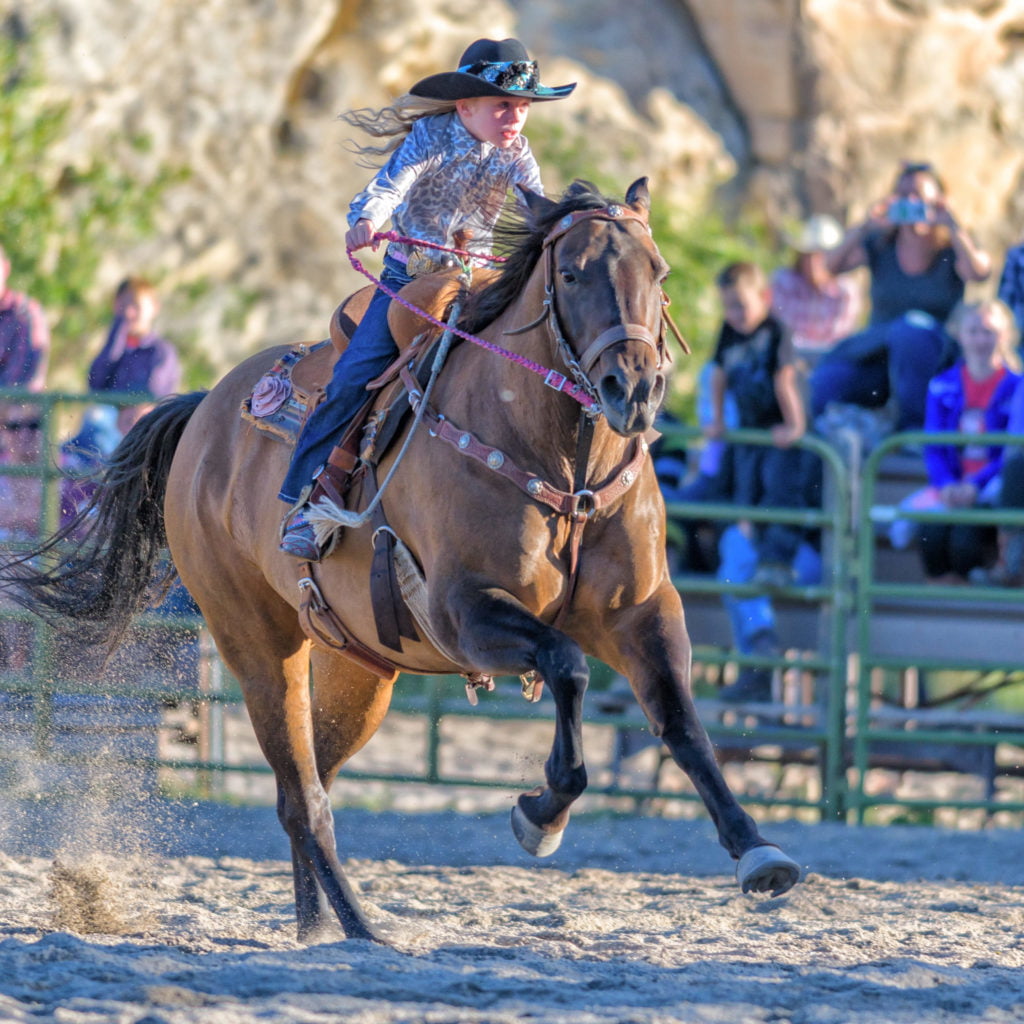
552	378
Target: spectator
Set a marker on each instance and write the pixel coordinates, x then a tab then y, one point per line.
1011	284
754	362
919	258
134	358
1009	568
24	336
24	354
83	456
972	397
817	306
704	475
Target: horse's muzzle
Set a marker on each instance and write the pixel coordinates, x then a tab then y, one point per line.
630	400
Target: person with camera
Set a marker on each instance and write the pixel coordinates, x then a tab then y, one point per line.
919	258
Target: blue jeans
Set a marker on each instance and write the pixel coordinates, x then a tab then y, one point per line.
897	359
370	351
771	477
749	616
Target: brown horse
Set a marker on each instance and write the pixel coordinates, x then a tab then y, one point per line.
493	548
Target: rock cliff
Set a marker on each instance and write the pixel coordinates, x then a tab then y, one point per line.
792	106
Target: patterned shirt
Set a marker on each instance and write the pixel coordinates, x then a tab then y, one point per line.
817	319
24	342
441	180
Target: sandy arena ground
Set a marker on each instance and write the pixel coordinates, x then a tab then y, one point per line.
156	912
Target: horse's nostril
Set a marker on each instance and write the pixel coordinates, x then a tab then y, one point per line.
612	389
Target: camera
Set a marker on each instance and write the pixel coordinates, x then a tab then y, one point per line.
907	211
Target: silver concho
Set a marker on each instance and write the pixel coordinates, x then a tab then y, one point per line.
495	460
566	221
627	478
614	210
535	486
464	440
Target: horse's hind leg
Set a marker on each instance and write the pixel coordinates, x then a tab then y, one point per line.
272	665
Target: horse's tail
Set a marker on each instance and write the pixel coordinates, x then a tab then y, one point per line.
100	569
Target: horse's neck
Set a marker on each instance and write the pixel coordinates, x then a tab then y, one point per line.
544	423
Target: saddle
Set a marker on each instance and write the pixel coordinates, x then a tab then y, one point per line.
287	394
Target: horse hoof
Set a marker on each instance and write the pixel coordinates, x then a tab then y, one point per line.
532	838
767	868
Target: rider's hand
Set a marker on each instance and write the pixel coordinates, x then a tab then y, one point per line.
360	236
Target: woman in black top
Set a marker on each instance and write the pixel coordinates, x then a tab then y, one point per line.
919	259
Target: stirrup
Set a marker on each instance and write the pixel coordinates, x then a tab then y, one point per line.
298	537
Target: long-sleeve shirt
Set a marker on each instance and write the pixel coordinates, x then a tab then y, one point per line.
948	410
441	180
24	342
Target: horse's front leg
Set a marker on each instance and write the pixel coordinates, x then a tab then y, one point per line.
653	650
498	635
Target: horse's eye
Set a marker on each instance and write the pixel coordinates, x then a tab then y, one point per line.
568	277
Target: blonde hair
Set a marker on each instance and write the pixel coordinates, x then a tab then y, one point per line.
392	123
1008	336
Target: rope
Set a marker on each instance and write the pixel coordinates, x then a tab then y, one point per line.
554	379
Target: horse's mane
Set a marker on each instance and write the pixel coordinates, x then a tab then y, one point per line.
521	239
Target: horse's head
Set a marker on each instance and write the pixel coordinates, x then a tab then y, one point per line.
606	275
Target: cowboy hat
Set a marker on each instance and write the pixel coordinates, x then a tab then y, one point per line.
817	234
491	67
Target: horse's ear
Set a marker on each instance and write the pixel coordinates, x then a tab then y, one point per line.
537	204
638	197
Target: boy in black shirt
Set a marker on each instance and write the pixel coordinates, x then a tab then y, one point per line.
754	361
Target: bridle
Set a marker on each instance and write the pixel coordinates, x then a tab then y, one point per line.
580	386
580	366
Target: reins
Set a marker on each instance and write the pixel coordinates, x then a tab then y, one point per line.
552	378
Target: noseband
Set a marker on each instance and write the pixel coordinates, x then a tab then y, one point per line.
580	366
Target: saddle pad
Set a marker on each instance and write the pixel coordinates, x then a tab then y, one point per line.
279	404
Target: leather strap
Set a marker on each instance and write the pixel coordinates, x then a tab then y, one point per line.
390	612
563	502
323	626
620	332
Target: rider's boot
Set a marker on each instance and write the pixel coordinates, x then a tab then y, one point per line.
300	536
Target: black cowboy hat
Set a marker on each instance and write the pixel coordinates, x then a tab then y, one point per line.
491	67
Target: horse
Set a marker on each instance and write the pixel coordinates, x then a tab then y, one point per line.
532	551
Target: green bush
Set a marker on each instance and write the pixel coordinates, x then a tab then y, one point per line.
60	220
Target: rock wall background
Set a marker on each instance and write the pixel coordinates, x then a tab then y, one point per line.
780	107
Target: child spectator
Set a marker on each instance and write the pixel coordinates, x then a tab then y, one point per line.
754	363
972	397
134	357
1009	568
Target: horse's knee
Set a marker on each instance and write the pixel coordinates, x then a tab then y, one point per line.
563	665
